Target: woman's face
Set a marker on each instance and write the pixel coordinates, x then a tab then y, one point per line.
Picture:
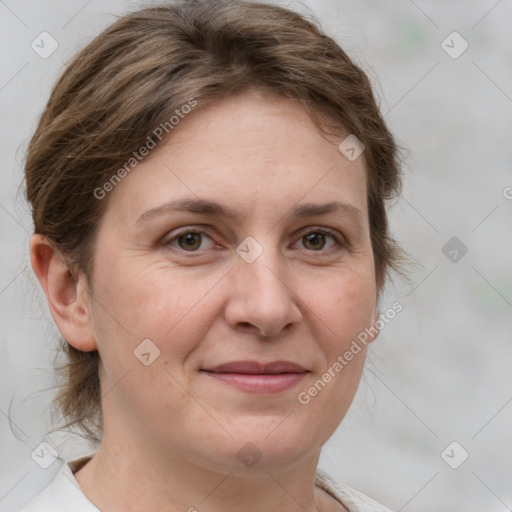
207	248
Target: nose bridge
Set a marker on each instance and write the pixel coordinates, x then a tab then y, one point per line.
261	295
264	278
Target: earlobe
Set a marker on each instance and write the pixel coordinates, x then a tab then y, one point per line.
65	293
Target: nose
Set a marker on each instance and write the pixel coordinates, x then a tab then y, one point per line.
261	297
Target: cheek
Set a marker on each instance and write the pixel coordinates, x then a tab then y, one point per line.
344	310
345	307
137	300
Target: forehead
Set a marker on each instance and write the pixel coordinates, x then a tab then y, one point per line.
254	151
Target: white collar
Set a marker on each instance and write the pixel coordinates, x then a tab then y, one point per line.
64	494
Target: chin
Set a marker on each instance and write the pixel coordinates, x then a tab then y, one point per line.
264	445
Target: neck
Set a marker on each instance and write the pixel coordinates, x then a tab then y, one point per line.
120	479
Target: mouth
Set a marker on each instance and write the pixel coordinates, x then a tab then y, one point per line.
256	377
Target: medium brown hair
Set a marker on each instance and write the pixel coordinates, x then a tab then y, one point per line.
134	76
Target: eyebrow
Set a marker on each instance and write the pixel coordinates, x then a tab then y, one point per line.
206	207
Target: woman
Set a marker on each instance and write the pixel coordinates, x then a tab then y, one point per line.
208	186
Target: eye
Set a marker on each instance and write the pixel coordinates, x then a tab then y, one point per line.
194	240
189	240
318	239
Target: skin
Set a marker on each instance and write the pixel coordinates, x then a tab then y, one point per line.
171	432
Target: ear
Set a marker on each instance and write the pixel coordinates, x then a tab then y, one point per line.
66	294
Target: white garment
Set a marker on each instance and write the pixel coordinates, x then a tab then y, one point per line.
63	494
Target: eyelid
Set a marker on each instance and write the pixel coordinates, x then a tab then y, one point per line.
197	228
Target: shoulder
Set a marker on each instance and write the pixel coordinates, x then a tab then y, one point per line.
62	494
351	499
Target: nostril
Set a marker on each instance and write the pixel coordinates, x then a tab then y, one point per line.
249	327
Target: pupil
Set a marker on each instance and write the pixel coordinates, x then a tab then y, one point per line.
315	239
190	241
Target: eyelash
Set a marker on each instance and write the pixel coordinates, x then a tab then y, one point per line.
323	231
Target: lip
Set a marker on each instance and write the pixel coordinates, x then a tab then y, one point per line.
255	367
257	377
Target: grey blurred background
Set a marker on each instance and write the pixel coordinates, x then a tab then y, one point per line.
441	371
